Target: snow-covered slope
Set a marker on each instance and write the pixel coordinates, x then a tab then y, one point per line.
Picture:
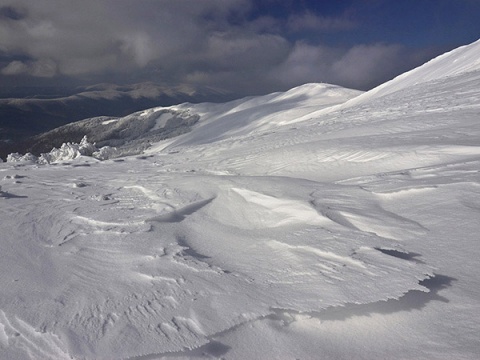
462	60
266	232
264	113
131	134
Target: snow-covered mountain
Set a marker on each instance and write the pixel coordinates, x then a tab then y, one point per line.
315	223
22	118
136	132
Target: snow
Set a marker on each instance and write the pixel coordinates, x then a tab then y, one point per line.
112	121
133	133
68	151
248	116
462	60
284	226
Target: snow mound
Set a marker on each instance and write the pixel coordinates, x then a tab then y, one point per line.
253	210
16	157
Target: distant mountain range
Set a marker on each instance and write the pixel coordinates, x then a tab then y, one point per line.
22	118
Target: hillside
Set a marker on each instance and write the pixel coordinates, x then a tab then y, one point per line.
23	118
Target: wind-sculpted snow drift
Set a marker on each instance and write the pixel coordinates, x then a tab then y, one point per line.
265	231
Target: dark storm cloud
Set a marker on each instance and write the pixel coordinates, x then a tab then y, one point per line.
201	43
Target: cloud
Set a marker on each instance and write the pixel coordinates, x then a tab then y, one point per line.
310	21
40	68
305	63
359	67
107	35
138	46
243	51
12	13
15	68
368	65
209	43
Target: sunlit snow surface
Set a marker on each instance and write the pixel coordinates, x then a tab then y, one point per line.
353	234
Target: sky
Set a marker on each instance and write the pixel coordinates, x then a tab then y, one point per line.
239	47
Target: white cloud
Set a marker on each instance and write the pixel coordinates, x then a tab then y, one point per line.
306	63
15	68
139	47
367	64
360	67
40	68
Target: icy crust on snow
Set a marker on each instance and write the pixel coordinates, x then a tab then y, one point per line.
68	151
